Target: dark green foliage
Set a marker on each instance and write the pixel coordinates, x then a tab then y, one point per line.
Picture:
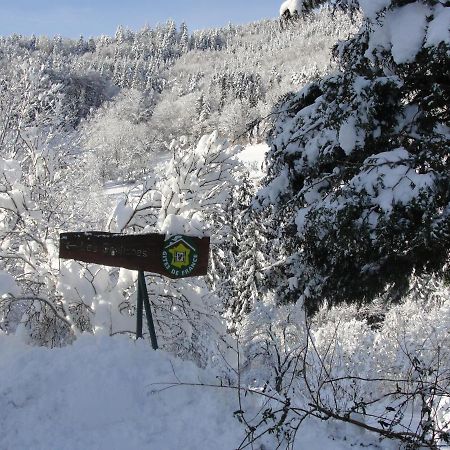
359	176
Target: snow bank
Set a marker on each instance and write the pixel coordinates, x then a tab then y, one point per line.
100	394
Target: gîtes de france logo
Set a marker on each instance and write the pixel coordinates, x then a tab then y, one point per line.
180	256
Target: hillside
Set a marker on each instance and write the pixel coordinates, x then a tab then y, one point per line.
159	84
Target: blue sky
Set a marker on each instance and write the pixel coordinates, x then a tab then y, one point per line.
72	18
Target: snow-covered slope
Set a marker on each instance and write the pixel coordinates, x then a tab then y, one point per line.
102	393
110	393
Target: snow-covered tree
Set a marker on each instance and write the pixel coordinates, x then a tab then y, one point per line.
184	196
359	166
43	191
117	137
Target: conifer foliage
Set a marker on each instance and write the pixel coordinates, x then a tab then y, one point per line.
359	166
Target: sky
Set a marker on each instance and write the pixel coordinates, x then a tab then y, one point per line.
72	18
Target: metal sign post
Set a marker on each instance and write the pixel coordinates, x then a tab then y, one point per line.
142	298
139	311
177	257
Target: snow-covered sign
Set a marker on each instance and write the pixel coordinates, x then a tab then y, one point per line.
176	257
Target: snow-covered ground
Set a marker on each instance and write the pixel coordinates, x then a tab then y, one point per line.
252	156
103	393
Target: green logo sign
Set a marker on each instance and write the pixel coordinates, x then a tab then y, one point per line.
180	256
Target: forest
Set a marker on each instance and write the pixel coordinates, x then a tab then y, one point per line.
313	150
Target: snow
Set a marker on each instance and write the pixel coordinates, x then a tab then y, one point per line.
272	192
113	393
405	30
360	84
102	393
407	27
8	285
174	224
347	135
439	27
122	214
292	6
10	170
117	188
300	219
389	179
253	157
370	8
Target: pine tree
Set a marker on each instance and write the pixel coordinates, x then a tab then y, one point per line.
206	111
359	167
120	35
184	38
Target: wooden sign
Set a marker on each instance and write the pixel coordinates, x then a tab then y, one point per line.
177	257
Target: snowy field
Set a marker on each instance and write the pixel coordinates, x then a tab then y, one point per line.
104	393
